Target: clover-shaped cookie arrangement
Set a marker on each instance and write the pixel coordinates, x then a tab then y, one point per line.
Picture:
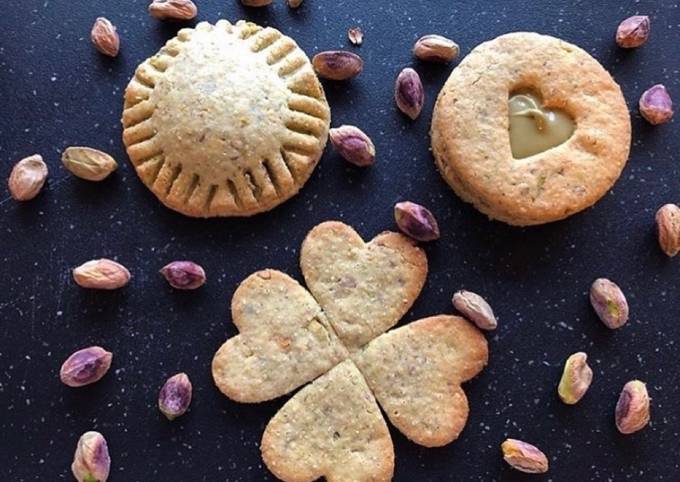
334	334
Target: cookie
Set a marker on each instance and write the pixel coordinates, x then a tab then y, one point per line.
225	120
415	373
478	114
332	428
364	288
285	340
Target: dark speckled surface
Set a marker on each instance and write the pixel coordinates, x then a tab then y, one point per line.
57	91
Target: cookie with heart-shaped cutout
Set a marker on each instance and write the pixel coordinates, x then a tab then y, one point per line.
331	428
416	371
476	147
364	288
285	340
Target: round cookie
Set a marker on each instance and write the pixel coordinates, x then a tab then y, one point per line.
225	120
471	140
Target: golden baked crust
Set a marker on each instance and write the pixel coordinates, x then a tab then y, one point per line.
364	288
470	138
331	428
285	340
225	120
415	373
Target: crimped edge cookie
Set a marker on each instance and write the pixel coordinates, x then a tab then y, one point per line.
470	124
276	179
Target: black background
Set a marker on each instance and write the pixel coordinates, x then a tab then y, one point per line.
57	91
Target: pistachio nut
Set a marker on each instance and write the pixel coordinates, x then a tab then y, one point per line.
85	366
337	64
173	9
101	274
435	48
256	3
576	378
91	462
87	163
416	221
175	396
633	32
609	303
409	93
184	275
27	178
668	228
524	457
656	105
105	37
632	409
353	145
476	309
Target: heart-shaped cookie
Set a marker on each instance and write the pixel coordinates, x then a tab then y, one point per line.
364	288
533	128
415	373
331	428
285	340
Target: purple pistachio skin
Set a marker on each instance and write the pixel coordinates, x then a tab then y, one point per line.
184	275
175	396
656	105
632	409
609	303
633	32
85	366
91	462
337	64
353	145
416	221
409	93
